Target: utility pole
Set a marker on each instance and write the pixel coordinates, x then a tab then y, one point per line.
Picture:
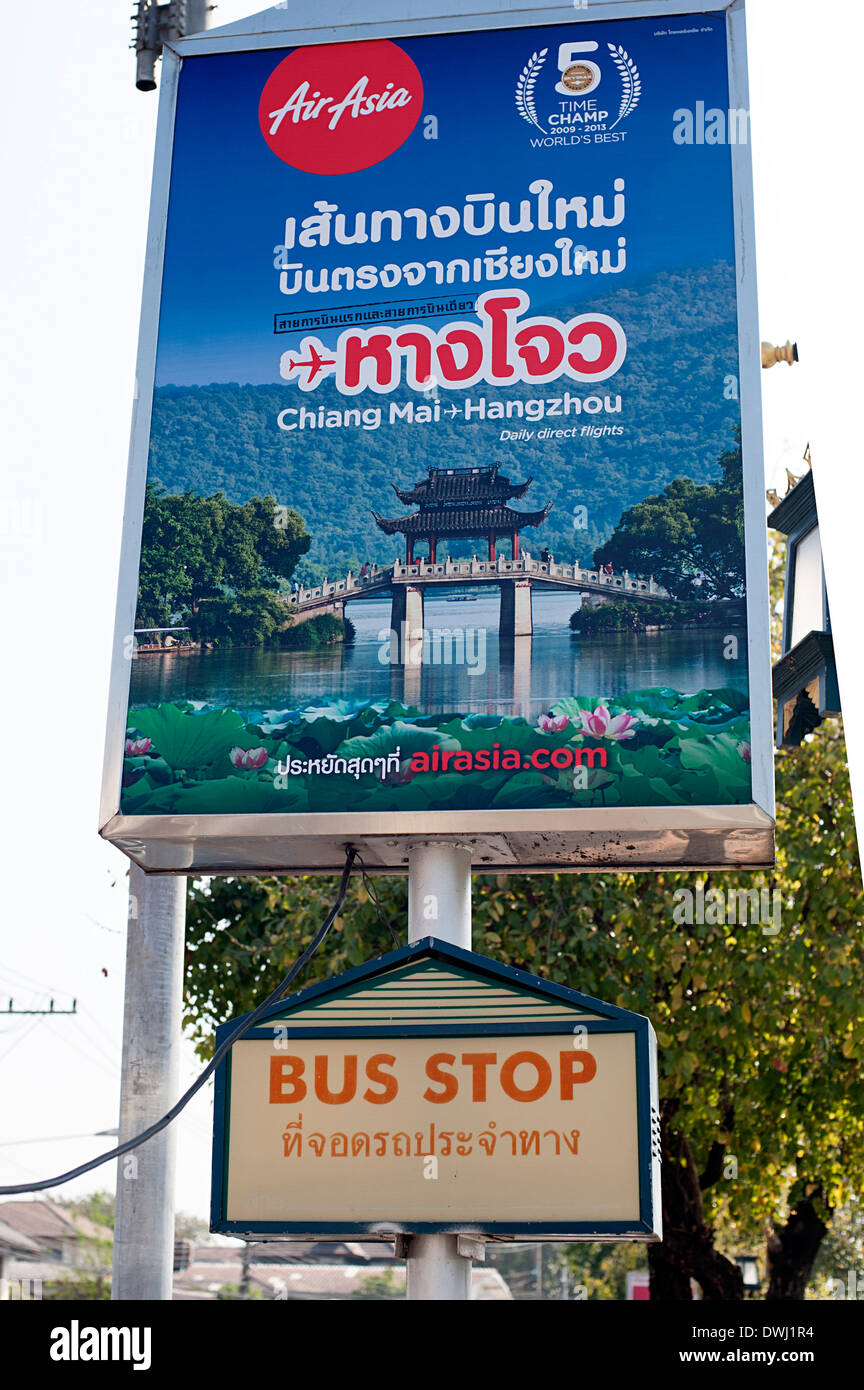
439	904
156	25
150	1074
153	1008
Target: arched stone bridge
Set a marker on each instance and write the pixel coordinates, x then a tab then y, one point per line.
516	580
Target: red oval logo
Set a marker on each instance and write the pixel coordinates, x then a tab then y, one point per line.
339	107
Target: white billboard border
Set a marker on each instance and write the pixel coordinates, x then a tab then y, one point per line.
741	835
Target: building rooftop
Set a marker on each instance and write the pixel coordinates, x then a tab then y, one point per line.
457	486
47	1221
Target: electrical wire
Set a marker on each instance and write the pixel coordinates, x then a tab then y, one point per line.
373	894
222	1050
21	1037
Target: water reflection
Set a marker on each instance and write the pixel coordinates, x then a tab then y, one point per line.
525	680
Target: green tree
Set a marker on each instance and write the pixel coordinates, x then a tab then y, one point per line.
216	565
379	1286
761	1036
249	617
687	531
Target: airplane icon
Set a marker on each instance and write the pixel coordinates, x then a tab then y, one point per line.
315	364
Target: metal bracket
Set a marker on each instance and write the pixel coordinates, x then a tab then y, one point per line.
469	1247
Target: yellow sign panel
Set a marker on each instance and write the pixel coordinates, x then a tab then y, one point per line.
454	1130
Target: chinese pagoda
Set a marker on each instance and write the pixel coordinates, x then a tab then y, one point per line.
461	502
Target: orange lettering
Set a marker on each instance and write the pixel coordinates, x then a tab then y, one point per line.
446	1079
478	1062
384	1078
286	1071
349	1082
532	1059
576	1066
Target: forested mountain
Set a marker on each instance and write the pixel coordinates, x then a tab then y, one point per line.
677	416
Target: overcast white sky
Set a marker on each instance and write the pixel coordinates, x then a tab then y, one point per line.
78	142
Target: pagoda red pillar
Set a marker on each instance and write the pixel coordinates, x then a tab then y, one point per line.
409	550
431	550
515	545
492	546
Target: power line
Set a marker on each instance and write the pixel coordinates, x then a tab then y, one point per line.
50	1010
53	1138
25	1034
221	1052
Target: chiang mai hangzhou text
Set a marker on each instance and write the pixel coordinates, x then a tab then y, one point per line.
471	409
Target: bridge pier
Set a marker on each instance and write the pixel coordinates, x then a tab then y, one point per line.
516	673
406	623
515	615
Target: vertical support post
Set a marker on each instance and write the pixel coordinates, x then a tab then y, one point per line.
431	550
406	622
492	546
197	16
515	617
515	545
439	904
150	1073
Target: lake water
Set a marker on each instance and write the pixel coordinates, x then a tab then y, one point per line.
542	669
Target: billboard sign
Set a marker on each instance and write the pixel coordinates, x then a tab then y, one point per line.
445	498
377	1103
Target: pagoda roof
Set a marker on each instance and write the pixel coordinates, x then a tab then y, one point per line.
464	521
449	486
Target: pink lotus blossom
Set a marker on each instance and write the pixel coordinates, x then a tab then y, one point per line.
402	777
553	723
248	759
602	725
137	747
743	751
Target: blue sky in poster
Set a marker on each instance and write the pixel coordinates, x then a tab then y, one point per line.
230	194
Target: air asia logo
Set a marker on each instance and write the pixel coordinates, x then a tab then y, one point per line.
499	350
336	108
569	111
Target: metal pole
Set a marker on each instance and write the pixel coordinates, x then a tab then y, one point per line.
152	1031
197	15
153	1009
439	904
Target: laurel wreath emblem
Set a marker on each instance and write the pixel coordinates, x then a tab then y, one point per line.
631	82
525	88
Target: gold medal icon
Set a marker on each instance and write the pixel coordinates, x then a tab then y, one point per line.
578	77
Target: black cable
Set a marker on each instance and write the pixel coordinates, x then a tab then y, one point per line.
224	1047
373	894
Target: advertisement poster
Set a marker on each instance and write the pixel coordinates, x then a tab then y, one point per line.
444	494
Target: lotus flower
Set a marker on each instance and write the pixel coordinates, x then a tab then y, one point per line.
402	777
602	725
553	723
248	759
137	747
743	751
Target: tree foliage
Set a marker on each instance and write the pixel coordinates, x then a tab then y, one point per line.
761	1036
689	536
216	566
